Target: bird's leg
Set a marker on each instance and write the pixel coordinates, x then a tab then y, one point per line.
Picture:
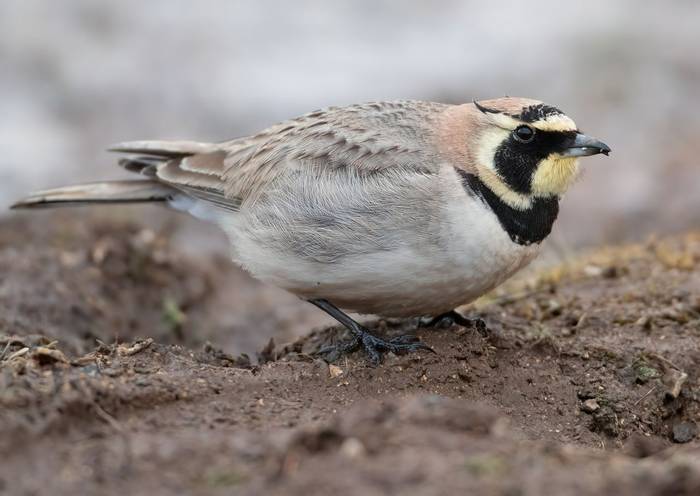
451	318
374	346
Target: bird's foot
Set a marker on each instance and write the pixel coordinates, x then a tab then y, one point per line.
374	347
448	319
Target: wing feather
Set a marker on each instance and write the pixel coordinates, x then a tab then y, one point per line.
367	138
193	168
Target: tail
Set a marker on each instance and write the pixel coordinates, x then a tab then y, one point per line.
135	191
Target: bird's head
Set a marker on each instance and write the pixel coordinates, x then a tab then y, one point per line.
521	149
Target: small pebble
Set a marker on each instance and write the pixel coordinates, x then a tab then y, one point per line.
590	406
334	371
592	271
352	448
684	432
643	322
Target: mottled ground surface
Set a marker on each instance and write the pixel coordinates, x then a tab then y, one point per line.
118	376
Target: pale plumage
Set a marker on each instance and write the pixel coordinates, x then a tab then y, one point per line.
391	208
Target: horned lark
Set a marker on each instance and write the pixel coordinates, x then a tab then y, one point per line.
396	209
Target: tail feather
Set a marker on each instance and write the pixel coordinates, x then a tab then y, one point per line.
147	166
134	191
168	149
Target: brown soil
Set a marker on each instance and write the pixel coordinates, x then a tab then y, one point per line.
585	382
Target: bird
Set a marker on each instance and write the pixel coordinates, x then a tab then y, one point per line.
392	208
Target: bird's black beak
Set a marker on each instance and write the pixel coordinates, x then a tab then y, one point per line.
583	146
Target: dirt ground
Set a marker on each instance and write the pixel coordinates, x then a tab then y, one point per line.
117	376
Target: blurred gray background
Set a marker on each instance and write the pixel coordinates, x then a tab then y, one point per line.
77	75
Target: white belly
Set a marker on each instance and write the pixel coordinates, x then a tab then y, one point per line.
449	258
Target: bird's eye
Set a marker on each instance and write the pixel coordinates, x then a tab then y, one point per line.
524	134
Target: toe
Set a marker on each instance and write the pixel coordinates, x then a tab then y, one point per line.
407	343
420	346
333	352
405	339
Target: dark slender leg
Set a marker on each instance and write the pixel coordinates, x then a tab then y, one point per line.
374	346
451	318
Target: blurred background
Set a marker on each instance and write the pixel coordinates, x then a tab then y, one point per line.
77	75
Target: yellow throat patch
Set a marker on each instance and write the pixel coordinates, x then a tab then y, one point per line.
554	175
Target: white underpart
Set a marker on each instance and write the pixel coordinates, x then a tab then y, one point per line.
196	208
462	254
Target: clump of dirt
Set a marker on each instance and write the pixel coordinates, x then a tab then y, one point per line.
585	381
80	282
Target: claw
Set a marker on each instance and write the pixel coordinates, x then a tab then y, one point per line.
404	339
335	351
375	347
